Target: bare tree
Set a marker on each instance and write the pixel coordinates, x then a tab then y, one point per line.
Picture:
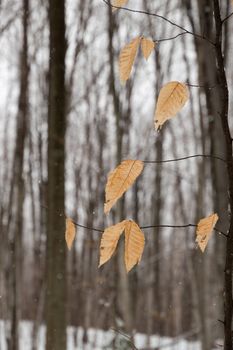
56	250
17	194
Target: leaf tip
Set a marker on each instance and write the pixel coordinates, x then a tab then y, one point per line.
204	230
134	244
70	233
172	98
147	46
120	180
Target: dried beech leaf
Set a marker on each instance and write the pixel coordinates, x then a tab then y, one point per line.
172	98
204	229
119	180
127	57
118	3
147	47
134	244
70	233
109	241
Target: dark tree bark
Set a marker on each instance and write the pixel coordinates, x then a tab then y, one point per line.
209	76
223	91
17	191
56	250
124	306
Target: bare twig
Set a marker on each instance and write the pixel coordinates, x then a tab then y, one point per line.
168	226
221	321
227	17
151	226
107	2
9	23
170	38
127	337
88	228
181	226
202	86
142	227
184	158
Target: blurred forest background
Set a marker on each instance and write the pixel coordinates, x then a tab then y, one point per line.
87	128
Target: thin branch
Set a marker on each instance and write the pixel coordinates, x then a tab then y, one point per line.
220	232
142	227
107	2
184	158
127	337
156	41
151	226
202	86
89	228
181	226
10	21
221	322
226	18
168	226
170	38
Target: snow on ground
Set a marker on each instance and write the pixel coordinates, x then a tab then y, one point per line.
97	339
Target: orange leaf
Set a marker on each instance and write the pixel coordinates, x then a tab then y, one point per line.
172	98
204	229
127	57
134	244
109	241
70	233
118	3
119	180
147	47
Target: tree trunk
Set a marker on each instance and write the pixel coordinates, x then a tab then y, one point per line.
17	199
56	249
224	96
208	77
123	293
